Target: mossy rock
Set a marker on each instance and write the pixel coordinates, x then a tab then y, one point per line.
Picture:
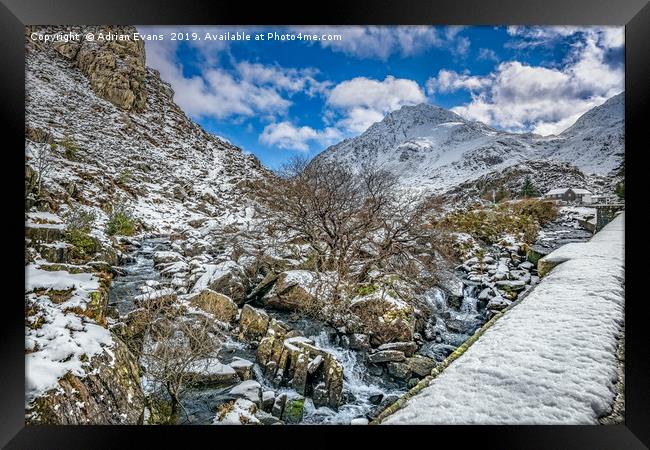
294	409
534	256
219	305
84	245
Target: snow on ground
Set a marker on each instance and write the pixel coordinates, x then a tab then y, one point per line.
57	340
549	360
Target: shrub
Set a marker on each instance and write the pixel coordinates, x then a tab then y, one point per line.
521	218
543	211
120	221
70	147
366	289
80	220
84	244
124	177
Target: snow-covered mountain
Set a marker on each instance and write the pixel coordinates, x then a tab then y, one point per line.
435	149
595	143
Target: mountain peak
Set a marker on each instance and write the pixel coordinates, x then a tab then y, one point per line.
433	148
610	113
424	113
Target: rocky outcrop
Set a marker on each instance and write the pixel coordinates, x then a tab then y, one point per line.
110	393
115	68
289	359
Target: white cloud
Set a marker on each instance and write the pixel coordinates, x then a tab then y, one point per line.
462	47
521	97
288	136
286	79
534	36
613	37
451	81
363	101
248	89
487	54
381	42
214	93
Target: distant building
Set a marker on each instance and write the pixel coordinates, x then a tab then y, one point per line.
605	199
570	195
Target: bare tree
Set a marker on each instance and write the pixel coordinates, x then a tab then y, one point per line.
43	164
352	222
178	351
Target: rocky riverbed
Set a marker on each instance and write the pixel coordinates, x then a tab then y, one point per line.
278	366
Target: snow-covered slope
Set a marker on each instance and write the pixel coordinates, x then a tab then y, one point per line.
596	142
164	166
103	130
431	148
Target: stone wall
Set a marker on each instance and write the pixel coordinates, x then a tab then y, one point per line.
605	214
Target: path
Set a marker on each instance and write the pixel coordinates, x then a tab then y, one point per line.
549	360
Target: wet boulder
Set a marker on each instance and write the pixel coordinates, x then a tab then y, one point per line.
243	367
358	341
408	348
219	305
278	405
421	365
165	256
511	285
385	356
266	418
211	372
294	290
399	370
384	317
253	323
268	399
453	286
498	303
249	389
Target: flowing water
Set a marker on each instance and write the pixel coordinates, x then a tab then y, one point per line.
139	272
362	390
451	326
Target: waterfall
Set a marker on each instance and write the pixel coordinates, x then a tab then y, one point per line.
358	385
449	326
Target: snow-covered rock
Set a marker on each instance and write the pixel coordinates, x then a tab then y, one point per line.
249	389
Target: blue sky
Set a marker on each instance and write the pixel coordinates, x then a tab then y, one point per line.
278	98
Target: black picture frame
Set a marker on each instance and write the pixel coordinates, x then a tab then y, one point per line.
15	14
